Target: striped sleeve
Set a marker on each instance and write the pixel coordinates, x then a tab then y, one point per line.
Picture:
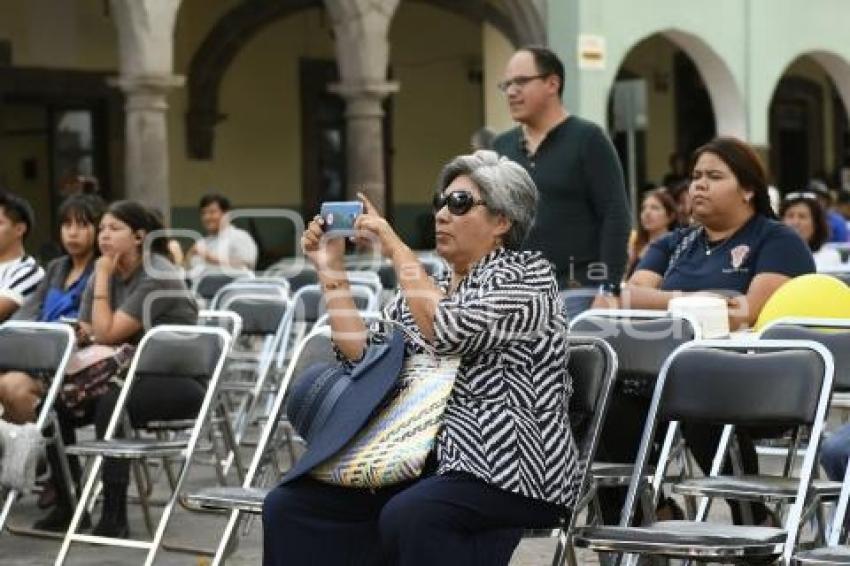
21	281
511	305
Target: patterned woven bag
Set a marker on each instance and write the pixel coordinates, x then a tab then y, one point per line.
395	443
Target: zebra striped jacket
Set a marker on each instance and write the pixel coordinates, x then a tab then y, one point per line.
506	419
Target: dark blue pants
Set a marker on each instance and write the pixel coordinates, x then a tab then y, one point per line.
454	519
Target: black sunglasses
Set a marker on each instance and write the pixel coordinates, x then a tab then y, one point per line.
459	202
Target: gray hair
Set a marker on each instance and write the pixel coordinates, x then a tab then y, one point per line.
506	188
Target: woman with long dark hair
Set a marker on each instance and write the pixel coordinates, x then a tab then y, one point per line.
805	215
133	287
658	215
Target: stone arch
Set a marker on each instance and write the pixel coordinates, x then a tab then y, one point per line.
210	62
503	18
803	92
519	20
727	100
836	66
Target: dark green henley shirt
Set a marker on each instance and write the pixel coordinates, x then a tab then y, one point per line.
583	222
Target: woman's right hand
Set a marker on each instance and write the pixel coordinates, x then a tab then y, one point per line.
326	254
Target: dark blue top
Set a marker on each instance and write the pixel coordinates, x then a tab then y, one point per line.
52	300
837	226
759	246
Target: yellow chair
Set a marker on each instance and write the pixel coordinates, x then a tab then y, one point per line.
815	295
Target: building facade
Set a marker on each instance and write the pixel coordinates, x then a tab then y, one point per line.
773	72
285	103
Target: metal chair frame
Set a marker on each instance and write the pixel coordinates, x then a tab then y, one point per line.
769	489
249	498
46	415
101	449
618	474
715	551
564	551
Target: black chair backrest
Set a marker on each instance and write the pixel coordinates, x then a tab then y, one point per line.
210	283
261	315
641	345
836	341
309	305
732	387
388	277
587	366
318	349
31	350
227	324
171	354
303	278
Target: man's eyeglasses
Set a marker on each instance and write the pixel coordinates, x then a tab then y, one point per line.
458	202
801	195
520	82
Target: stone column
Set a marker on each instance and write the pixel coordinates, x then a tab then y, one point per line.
361	29
146	45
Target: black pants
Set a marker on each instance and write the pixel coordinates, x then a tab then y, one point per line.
453	519
151	399
621	437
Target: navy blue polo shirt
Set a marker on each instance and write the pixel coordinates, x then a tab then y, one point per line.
761	245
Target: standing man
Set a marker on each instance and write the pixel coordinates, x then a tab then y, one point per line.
225	246
583	221
19	272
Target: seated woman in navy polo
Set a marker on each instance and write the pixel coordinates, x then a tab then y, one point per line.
736	249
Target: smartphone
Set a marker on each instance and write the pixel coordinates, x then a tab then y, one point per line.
340	217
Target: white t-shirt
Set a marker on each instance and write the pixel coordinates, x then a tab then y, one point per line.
19	278
233	246
827	258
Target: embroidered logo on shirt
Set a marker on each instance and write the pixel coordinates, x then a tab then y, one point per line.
739	254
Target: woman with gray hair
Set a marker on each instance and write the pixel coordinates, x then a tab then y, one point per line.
504	458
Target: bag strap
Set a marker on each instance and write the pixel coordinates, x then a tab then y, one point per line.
415	338
683	245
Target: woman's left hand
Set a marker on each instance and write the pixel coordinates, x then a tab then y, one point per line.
106	264
372	228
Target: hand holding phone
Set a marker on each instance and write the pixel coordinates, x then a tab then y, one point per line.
339	217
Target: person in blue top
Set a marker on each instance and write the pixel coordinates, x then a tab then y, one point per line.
57	296
736	249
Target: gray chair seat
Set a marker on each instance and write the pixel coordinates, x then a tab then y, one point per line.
767	489
129	448
249	500
684	539
823	556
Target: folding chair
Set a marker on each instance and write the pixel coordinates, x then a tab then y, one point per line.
592	366
207	284
642	340
368	279
833	553
38	348
268	318
264	285
306	276
167	351
726	382
231	322
310	305
314	348
782	490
